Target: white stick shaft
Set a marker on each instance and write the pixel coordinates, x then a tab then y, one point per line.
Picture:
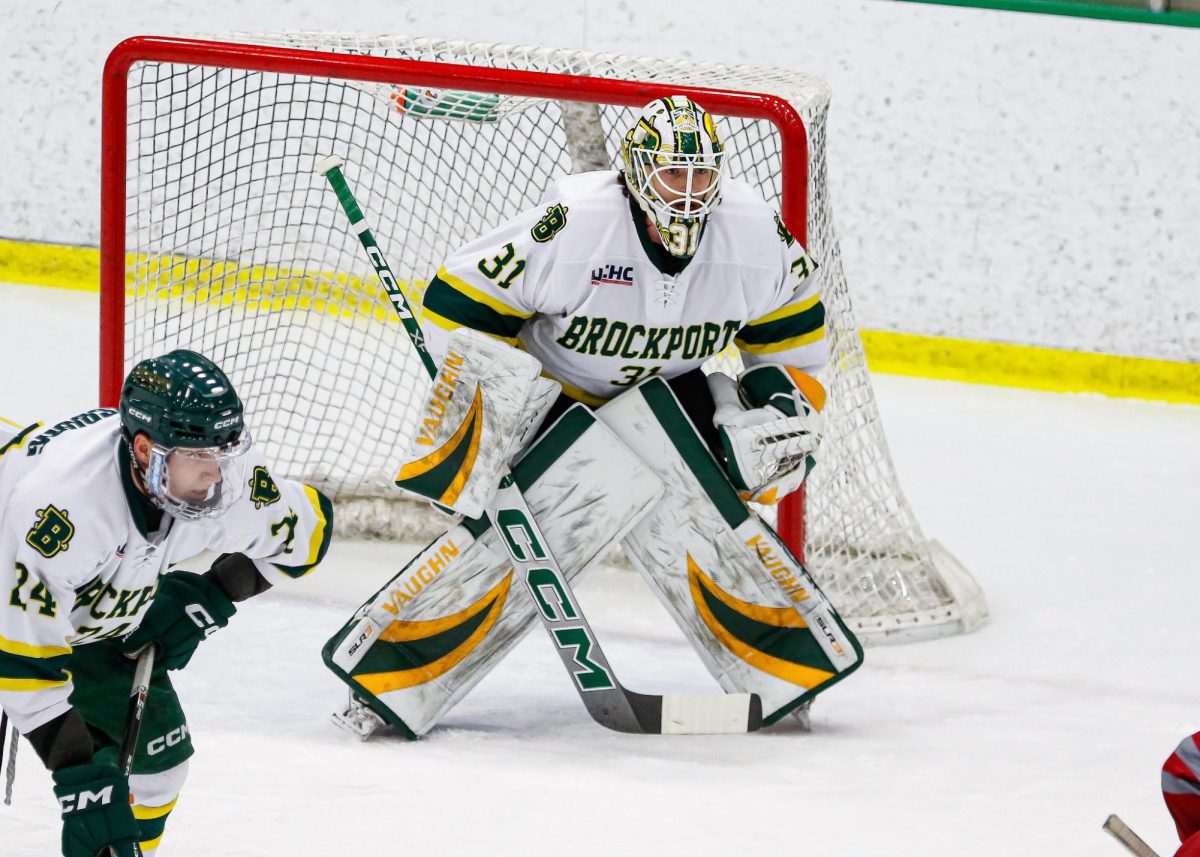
1121	832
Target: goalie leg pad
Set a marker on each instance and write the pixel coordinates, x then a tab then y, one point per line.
751	610
433	631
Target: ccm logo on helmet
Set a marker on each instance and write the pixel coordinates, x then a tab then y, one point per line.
232	421
162	742
84	799
141	415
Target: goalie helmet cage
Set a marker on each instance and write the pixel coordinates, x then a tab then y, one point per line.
216	235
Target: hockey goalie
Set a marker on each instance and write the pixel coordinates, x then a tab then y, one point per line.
569	342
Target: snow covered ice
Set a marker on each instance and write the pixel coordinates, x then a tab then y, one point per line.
1077	515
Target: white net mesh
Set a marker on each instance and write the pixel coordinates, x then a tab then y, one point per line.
236	248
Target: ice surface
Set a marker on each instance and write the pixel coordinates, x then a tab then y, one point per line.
1077	514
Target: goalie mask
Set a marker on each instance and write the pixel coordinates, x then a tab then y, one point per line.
185	405
673	164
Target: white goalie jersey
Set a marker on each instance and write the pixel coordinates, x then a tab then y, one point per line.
578	283
79	563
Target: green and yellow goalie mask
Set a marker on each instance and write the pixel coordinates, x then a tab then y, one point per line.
673	165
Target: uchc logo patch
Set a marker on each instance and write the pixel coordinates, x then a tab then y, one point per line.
612	275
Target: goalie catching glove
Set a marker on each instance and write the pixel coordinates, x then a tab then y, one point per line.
770	424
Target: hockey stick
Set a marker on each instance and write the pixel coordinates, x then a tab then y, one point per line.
133	720
1121	832
137	707
10	773
607	701
12	761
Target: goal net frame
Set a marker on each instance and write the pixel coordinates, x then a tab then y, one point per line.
899	606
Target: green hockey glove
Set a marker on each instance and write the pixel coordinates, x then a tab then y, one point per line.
186	609
96	814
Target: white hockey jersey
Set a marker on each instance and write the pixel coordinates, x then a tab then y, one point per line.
78	565
575	283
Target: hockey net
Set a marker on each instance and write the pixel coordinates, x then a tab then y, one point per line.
218	236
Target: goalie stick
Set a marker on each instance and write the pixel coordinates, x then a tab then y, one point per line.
608	702
1121	832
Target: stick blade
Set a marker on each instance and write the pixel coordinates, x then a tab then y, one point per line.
711	714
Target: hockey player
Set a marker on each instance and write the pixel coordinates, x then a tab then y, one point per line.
1181	791
618	282
650	271
94	511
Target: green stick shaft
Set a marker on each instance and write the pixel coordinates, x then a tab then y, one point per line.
331	168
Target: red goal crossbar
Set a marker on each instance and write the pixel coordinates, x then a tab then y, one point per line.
560	87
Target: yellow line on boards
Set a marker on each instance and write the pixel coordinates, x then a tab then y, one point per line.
1008	365
971	361
57	265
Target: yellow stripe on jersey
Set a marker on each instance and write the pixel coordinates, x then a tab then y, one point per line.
18	440
465	288
791	326
787	311
577	393
28	685
786	345
444	323
9	422
29	650
451	303
318	542
447	324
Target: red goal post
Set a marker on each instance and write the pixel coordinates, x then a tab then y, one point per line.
214	237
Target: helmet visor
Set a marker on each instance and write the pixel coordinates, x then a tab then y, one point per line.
199	482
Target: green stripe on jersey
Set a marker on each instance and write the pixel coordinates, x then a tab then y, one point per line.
444	300
21	667
781	330
325	510
19	439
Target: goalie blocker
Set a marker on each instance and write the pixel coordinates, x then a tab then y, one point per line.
641	474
